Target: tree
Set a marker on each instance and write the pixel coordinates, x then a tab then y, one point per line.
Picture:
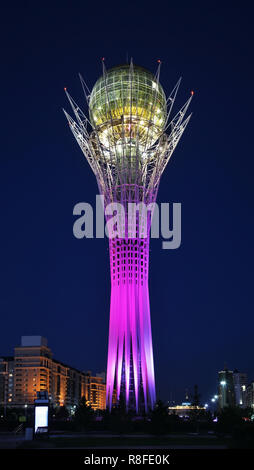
61	413
119	419
228	418
84	414
160	418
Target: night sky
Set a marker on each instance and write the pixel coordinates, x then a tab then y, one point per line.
57	286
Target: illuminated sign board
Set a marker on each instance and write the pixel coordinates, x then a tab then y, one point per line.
41	417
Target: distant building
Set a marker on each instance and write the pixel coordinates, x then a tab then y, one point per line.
95	391
226	389
184	410
6	380
33	369
250	395
240	385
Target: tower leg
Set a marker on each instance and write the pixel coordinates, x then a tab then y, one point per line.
130	366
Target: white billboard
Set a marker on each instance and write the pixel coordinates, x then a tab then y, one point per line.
41	417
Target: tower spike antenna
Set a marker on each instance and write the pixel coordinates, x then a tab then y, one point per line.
179	116
84	84
128	150
104	70
80	116
85	88
173	141
177	132
81	139
171	99
158	70
78	132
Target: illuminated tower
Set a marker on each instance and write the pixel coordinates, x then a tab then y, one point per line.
126	145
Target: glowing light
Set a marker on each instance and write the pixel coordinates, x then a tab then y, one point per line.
118	107
127	335
41	417
128	117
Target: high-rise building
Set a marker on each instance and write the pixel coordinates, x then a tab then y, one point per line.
250	395
95	391
128	149
33	369
6	381
240	385
226	390
33	363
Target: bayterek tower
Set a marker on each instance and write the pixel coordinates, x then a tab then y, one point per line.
128	140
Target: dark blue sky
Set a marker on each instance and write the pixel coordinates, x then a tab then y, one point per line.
55	285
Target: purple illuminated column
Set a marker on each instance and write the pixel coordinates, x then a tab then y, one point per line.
130	368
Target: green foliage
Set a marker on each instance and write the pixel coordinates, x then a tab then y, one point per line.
160	419
61	413
84	415
243	436
229	418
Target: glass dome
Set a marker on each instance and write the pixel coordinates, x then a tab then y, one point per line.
125	105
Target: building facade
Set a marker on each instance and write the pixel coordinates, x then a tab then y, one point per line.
240	385
33	369
6	381
226	389
185	410
95	391
33	365
250	395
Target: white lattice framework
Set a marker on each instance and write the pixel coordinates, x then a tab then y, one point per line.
128	162
147	162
